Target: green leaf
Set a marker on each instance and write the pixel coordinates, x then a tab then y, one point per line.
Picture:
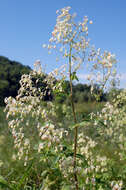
81	124
4	184
22	180
44	173
74	76
66	187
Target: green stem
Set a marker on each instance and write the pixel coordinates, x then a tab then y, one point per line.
75	121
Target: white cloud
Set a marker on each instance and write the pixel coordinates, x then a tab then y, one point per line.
83	76
122	76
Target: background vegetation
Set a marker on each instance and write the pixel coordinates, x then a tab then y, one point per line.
10	74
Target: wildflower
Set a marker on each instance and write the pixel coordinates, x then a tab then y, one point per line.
44	45
91	22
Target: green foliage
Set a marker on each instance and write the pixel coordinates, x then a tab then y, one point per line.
74	76
10	75
81	94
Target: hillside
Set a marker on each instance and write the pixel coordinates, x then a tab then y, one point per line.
10	74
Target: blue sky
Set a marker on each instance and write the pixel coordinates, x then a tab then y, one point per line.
26	24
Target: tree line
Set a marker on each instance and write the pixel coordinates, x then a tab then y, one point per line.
10	75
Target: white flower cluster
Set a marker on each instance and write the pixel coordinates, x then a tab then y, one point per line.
68	34
117	185
28	117
94	163
110	126
50	136
66	166
103	71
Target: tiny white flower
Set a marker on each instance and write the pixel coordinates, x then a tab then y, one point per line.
44	45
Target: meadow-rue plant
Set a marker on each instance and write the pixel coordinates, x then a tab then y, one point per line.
71	39
34	123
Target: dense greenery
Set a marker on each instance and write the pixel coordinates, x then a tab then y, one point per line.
10	74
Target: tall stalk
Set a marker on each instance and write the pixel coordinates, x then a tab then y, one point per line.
75	120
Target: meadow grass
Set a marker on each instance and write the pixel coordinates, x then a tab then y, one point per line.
88	107
13	171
